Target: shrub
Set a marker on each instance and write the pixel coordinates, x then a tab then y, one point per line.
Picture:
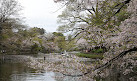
35	48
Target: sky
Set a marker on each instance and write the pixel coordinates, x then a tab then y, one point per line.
41	13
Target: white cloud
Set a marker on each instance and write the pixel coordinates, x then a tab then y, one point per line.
39	13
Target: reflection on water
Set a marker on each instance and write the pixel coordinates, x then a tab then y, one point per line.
14	69
19	72
33	77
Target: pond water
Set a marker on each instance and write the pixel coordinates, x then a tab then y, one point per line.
15	71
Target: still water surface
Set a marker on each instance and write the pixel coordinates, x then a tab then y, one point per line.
14	71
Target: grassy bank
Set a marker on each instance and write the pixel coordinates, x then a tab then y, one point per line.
93	56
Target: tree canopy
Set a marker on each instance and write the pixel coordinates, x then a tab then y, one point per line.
93	20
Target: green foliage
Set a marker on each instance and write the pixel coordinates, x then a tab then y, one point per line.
57	34
98	78
122	16
36	31
38	39
94	23
93	56
59	40
44	50
12	32
100	50
35	48
24	33
70	46
4	36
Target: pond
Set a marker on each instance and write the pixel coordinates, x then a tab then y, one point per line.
13	68
17	71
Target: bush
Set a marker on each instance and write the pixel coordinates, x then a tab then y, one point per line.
35	48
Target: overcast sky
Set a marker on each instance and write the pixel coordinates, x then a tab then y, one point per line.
39	13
